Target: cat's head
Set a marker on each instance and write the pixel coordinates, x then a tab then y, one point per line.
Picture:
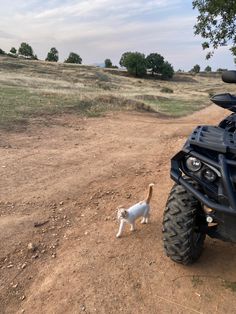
122	213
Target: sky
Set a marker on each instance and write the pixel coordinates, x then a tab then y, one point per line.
100	29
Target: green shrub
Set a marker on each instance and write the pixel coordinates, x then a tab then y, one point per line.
167	90
102	77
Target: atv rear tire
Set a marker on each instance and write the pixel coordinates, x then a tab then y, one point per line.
183	226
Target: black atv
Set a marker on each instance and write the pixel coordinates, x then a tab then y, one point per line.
203	200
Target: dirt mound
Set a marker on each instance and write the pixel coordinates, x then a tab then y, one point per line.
183	77
123	102
151	97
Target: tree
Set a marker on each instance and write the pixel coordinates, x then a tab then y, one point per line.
155	62
135	63
13	50
196	69
2	52
123	58
216	22
167	71
26	50
208	69
52	55
108	63
73	58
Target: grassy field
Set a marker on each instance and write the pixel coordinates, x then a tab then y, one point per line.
33	88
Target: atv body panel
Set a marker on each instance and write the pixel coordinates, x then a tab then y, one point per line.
215	147
203	200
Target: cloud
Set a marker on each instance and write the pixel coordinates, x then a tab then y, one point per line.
101	8
92	19
5	35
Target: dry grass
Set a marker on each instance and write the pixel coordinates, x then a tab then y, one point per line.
32	88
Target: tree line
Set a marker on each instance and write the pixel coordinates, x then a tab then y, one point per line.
25	50
136	63
197	69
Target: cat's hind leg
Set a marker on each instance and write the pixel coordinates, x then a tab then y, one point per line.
132	226
143	221
147	218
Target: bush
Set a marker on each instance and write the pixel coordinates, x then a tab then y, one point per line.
167	90
12	55
102	77
35	57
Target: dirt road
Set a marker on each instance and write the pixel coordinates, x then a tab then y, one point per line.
60	186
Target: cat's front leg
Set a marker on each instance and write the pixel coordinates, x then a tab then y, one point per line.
121	228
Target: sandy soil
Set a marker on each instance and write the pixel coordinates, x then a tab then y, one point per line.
60	186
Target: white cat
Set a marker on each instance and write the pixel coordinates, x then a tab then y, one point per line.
129	215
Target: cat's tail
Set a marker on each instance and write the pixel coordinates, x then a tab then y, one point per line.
149	196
